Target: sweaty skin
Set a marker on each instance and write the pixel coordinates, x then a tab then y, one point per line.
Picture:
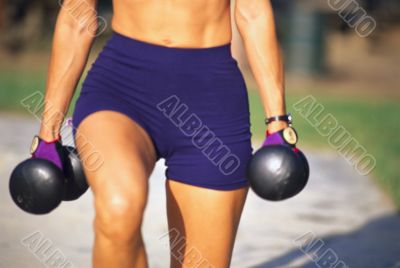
206	219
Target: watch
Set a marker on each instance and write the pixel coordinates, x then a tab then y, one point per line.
290	135
35	144
286	118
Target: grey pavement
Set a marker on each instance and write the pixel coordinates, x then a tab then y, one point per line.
352	220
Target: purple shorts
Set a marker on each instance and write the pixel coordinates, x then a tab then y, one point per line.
192	102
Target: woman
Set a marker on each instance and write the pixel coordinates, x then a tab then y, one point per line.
165	86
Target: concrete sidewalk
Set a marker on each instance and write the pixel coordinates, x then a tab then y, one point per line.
343	209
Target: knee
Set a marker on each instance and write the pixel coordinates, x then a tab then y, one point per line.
119	217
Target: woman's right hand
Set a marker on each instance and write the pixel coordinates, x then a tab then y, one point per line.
47	149
49	134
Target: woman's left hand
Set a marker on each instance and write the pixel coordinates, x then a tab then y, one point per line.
276	126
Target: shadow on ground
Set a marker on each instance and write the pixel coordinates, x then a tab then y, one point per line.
374	245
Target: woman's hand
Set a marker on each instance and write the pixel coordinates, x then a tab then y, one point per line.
276	126
49	150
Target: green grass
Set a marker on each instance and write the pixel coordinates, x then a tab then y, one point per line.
374	123
16	86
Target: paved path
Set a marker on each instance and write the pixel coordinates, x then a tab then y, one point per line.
346	211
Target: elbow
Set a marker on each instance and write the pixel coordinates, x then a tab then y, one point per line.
247	17
83	22
85	31
250	13
90	28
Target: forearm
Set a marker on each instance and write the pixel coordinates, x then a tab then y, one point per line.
257	28
71	45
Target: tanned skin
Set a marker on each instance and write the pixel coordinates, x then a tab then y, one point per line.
208	219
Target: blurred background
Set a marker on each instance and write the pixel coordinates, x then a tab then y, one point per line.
346	62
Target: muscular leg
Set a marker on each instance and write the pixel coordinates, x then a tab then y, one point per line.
119	185
202	224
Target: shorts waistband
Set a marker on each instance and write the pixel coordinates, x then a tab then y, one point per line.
142	50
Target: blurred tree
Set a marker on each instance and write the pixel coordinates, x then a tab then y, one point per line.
2	14
29	22
25	22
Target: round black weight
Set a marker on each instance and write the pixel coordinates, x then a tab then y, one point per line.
36	186
277	172
306	167
75	180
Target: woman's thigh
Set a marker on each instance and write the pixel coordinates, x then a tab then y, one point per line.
118	157
202	224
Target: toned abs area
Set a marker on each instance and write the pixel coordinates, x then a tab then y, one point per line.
174	23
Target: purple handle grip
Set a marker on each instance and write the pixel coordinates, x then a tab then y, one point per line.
274	138
48	151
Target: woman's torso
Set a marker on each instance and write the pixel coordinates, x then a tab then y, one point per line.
174	23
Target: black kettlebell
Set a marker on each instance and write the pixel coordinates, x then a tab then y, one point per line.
38	186
278	172
75	180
